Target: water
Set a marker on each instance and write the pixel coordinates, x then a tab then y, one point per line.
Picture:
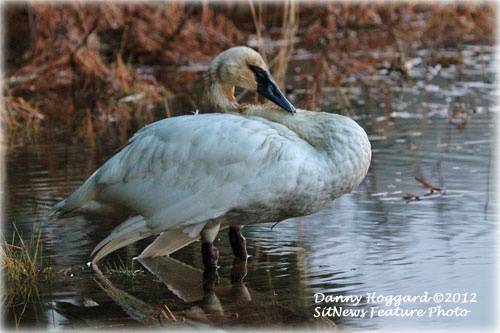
370	241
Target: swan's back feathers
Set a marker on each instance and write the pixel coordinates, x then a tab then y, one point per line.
188	169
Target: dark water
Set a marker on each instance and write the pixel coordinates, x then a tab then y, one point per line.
437	124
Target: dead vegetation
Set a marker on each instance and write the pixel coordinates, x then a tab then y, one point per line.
83	70
129	270
433	191
25	270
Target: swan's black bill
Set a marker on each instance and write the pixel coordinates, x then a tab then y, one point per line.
269	89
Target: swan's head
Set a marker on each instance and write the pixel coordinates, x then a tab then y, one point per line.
244	67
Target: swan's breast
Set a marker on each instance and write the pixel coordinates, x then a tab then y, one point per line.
349	156
324	156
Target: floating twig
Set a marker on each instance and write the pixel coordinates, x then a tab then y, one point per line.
170	312
275	225
412	197
431	187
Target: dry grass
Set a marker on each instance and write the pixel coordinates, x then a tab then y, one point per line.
289	29
21	261
23	270
77	70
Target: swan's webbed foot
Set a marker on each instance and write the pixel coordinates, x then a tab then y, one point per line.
238	242
210	256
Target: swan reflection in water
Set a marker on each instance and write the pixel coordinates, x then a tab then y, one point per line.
203	300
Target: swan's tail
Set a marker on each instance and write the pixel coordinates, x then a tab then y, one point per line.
80	197
130	231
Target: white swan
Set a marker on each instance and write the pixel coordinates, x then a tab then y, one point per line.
188	176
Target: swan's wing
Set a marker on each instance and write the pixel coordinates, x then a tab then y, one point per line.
183	172
186	170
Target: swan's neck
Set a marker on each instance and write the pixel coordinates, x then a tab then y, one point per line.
339	141
308	125
220	95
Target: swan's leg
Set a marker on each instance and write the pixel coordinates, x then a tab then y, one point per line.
239	292
210	281
239	270
210	256
208	250
238	242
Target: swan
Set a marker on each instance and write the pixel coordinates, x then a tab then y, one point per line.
188	177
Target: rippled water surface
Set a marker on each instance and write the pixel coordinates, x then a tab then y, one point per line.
437	124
